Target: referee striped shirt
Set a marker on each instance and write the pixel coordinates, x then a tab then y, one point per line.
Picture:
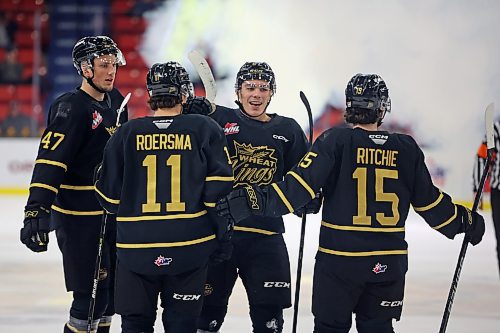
481	160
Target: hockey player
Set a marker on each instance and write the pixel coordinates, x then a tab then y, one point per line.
263	147
161	176
369	180
79	124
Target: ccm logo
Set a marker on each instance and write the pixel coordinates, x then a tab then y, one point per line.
392	304
186	297
276	284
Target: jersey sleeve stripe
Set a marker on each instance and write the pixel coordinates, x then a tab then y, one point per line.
362	254
45	186
219	178
303	183
445	223
59	164
259	231
74	212
78	187
209	204
432	205
171	244
282	197
113	201
355	228
160	217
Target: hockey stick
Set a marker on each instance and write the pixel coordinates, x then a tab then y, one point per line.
205	73
120	110
454	284
98	259
303	227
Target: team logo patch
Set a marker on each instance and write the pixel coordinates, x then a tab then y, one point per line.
379	268
162	261
208	290
231	128
96	119
253	165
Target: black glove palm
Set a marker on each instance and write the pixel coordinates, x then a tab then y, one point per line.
35	233
312	207
472	225
198	105
240	204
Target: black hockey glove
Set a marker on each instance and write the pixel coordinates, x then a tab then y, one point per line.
198	105
241	203
35	233
312	207
472	224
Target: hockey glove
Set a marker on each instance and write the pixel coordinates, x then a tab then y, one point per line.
198	105
241	203
223	252
312	207
35	233
472	225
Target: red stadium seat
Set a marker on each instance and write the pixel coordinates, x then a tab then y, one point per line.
7	92
121	24
24	38
24	92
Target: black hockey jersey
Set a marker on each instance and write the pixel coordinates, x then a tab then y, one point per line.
162	177
369	180
261	153
78	128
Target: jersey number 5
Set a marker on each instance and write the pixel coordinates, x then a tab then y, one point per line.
360	174
176	205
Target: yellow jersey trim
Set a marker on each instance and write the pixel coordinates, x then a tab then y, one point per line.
78	187
355	228
159	217
209	204
45	186
55	163
432	205
113	201
172	244
259	231
220	178
362	254
303	183
445	223
283	198
74	212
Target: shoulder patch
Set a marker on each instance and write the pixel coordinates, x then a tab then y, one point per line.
63	110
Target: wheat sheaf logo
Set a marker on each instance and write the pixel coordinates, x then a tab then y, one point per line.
253	165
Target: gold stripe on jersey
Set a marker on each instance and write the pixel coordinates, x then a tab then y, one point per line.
355	228
362	254
258	231
445	223
78	187
219	178
159	217
432	205
283	197
172	244
45	186
303	183
59	164
209	204
75	212
113	201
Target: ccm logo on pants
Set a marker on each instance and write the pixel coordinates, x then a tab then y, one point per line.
391	304
186	297
276	284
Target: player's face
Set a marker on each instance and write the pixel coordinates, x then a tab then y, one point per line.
254	95
105	72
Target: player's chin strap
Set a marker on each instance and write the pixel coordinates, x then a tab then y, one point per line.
242	109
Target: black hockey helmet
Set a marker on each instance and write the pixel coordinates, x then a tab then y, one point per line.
89	48
367	93
169	79
255	71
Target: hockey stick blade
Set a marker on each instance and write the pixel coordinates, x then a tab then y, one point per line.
205	73
120	110
488	118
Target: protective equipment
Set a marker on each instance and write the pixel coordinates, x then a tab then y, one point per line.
241	203
255	71
472	224
198	105
312	207
35	233
169	79
368	92
89	48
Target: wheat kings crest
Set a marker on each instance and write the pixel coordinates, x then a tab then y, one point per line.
253	165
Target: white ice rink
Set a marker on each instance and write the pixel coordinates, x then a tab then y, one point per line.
33	297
